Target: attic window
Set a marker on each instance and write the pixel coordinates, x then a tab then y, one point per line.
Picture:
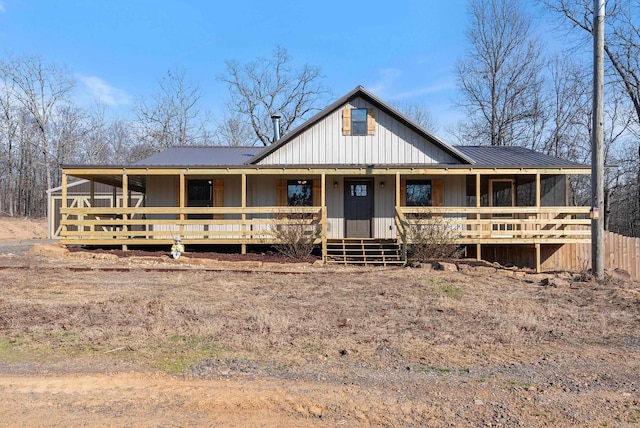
359	121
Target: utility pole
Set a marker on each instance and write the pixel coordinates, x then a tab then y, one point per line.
597	143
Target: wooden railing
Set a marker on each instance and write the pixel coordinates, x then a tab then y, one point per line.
159	225
491	225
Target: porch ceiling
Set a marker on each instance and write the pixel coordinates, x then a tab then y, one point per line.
137	183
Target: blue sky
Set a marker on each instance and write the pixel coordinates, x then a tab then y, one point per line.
403	51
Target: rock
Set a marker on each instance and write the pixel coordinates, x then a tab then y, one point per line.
485	270
565	275
97	256
445	266
618	273
50	250
555	282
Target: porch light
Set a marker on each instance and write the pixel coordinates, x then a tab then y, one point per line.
335	184
382	184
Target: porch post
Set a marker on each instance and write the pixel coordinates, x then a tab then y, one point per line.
125	203
323	215
478	226
92	201
398	199
92	193
181	203
537	189
538	215
243	247
538	268
63	206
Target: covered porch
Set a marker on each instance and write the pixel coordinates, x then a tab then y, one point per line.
253	205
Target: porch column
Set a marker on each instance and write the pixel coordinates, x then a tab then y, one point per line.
478	226
243	247
125	204
537	190
63	206
538	216
323	215
92	193
398	201
538	267
181	203
92	201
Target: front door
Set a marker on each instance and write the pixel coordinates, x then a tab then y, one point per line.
358	207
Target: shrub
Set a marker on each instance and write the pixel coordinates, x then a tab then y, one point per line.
295	238
432	237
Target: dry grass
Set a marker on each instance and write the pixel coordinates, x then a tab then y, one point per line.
379	318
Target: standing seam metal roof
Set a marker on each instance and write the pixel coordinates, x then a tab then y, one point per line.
513	156
487	156
201	156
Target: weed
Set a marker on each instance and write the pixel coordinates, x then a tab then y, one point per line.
449	290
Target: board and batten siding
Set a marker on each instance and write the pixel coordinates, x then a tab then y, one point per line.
392	143
162	191
454	191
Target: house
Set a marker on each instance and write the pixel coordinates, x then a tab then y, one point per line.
357	174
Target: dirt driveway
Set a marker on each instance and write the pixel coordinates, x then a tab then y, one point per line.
96	340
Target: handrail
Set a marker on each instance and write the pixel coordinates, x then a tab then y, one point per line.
115	225
486	225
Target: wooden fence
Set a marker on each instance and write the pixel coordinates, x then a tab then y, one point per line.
620	252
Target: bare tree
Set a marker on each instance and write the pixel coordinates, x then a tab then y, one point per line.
622	51
419	113
9	145
568	109
39	89
233	131
269	85
171	116
622	41
499	78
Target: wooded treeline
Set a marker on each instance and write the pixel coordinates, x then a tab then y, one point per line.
513	89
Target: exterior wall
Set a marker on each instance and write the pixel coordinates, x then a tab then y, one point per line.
162	191
261	191
454	188
335	208
393	143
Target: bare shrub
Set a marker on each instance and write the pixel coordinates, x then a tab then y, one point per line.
296	238
432	237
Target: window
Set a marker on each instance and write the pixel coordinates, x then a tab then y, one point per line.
359	121
419	193
300	193
359	190
199	194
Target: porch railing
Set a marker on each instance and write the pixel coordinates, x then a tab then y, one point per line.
492	225
159	225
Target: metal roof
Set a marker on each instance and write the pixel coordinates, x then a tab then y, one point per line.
513	156
482	156
201	156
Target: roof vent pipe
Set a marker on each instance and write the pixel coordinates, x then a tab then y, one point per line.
275	117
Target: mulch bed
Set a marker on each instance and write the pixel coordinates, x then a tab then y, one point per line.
262	256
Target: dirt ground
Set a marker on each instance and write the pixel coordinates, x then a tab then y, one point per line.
95	339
